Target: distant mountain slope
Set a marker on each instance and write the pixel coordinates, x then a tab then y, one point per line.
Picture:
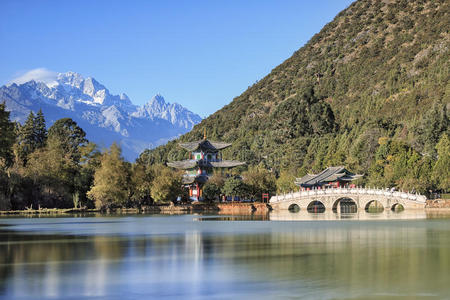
105	118
379	69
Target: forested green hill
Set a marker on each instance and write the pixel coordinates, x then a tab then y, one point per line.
369	91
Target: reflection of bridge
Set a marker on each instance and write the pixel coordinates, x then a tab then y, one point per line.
329	215
337	199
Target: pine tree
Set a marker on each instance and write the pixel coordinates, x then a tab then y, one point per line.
7	136
40	131
69	135
26	142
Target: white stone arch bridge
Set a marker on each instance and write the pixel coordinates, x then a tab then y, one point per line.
362	197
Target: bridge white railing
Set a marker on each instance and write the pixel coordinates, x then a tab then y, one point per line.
349	191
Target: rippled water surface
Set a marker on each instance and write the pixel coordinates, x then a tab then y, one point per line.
360	256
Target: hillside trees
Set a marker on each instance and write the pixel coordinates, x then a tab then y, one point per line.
285	182
377	70
259	181
235	187
436	123
441	169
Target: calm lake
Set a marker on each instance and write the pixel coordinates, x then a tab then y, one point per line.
286	255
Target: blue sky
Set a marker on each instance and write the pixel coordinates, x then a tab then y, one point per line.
200	54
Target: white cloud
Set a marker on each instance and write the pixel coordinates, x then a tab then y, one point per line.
41	74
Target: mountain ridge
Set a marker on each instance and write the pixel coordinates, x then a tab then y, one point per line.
377	74
104	117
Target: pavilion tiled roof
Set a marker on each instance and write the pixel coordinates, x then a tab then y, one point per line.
226	163
205	145
328	175
183	164
191	163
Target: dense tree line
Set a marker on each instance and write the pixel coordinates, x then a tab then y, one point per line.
60	168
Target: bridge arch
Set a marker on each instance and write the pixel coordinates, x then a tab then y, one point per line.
316	207
345	205
293	208
374	206
397	207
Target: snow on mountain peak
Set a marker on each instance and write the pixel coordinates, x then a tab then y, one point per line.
39	75
105	117
176	114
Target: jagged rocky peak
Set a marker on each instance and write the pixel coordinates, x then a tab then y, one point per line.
156	105
70	78
93	88
104	117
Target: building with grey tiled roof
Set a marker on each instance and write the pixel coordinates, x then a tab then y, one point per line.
205	156
330	177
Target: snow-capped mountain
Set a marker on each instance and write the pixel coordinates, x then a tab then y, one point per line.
105	118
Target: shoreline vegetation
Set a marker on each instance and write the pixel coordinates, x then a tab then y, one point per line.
232	208
220	208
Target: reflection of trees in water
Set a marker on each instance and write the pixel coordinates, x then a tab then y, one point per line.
367	256
372	257
43	255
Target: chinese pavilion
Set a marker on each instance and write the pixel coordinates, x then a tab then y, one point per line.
330	177
203	159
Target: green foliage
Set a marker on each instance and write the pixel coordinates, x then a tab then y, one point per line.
141	184
26	139
259	181
398	164
234	187
52	173
217	179
285	182
211	191
434	125
441	169
69	135
7	138
166	185
90	161
111	180
40	131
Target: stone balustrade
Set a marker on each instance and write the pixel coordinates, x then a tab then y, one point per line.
349	191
